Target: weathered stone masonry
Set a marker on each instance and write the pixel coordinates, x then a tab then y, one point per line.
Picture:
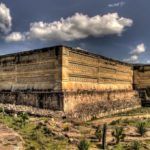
67	79
32	78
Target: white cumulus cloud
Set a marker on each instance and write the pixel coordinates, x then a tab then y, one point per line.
15	37
135	53
5	19
139	49
132	59
78	26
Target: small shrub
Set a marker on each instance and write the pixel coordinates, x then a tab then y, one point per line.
17	123
126	121
31	148
47	131
141	128
135	145
34	135
98	133
66	128
118	147
23	118
118	134
83	145
1	109
93	118
114	122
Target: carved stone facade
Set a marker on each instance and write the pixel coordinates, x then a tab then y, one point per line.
65	79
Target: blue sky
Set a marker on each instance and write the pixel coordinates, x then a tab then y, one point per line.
114	28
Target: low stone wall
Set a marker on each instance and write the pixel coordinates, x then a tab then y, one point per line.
102	104
46	100
81	104
12	108
86	117
73	101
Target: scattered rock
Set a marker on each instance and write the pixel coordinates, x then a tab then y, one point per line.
9	139
73	141
73	135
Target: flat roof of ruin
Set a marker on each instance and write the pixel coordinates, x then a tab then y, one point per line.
73	49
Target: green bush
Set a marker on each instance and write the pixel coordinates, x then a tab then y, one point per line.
83	145
118	147
98	133
23	118
118	134
141	129
47	131
114	122
66	128
31	148
93	118
135	145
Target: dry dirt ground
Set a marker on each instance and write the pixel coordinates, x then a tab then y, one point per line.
9	139
74	131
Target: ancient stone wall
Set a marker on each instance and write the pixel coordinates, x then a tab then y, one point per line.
32	78
141	76
85	71
89	78
39	70
66	79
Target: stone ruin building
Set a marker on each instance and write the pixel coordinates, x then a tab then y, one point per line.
72	80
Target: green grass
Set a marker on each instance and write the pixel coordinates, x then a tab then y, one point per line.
130	122
138	111
34	139
41	138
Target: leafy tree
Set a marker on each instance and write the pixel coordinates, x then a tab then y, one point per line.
118	134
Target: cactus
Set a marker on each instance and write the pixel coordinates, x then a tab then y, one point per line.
118	134
98	133
141	128
104	136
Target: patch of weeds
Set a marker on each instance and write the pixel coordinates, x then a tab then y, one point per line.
119	147
115	122
35	137
94	118
66	128
47	131
83	145
135	145
141	128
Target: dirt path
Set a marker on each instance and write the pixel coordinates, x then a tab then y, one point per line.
110	119
9	139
